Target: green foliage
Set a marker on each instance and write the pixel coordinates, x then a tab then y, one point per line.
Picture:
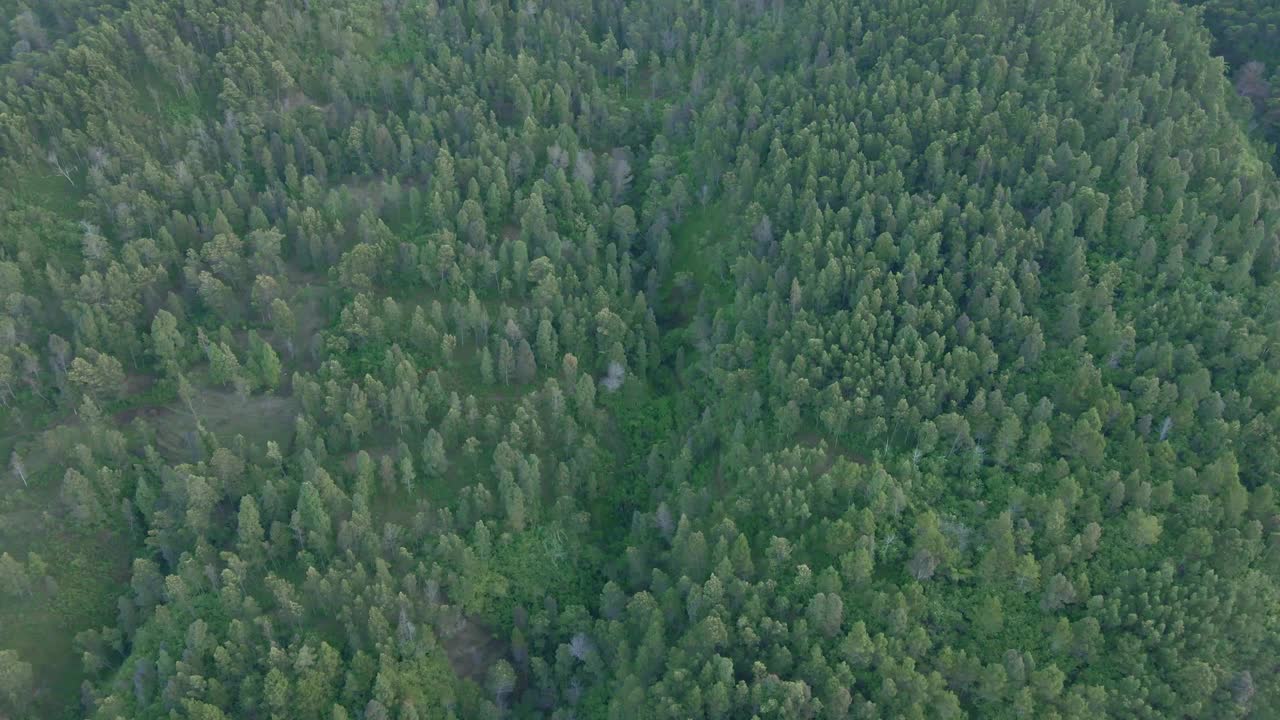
1244	33
1243	30
817	359
643	425
71	583
544	562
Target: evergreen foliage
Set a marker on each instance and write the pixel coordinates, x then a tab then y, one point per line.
823	359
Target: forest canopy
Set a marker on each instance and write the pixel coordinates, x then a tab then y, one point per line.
408	360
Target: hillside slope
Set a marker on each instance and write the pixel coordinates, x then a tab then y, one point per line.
662	360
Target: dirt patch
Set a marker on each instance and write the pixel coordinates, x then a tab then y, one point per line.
818	442
370	192
150	413
366	191
472	649
298	99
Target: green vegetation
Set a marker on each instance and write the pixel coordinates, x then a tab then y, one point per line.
823	359
1247	34
700	266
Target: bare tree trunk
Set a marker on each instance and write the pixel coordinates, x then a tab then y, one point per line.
19	469
57	165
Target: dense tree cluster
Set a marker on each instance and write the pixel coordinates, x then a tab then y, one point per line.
1247	34
1243	30
677	360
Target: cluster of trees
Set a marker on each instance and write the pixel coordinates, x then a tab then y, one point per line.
671	360
1244	33
1243	30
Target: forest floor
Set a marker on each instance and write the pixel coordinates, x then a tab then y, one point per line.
259	418
472	649
698	266
818	441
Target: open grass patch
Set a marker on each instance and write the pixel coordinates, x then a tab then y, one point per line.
259	418
87	569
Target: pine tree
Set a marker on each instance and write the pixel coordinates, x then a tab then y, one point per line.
166	341
486	366
249	533
16	681
14	582
434	460
312	518
526	367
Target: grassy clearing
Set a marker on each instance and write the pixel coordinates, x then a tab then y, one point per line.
45	188
699	263
259	418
